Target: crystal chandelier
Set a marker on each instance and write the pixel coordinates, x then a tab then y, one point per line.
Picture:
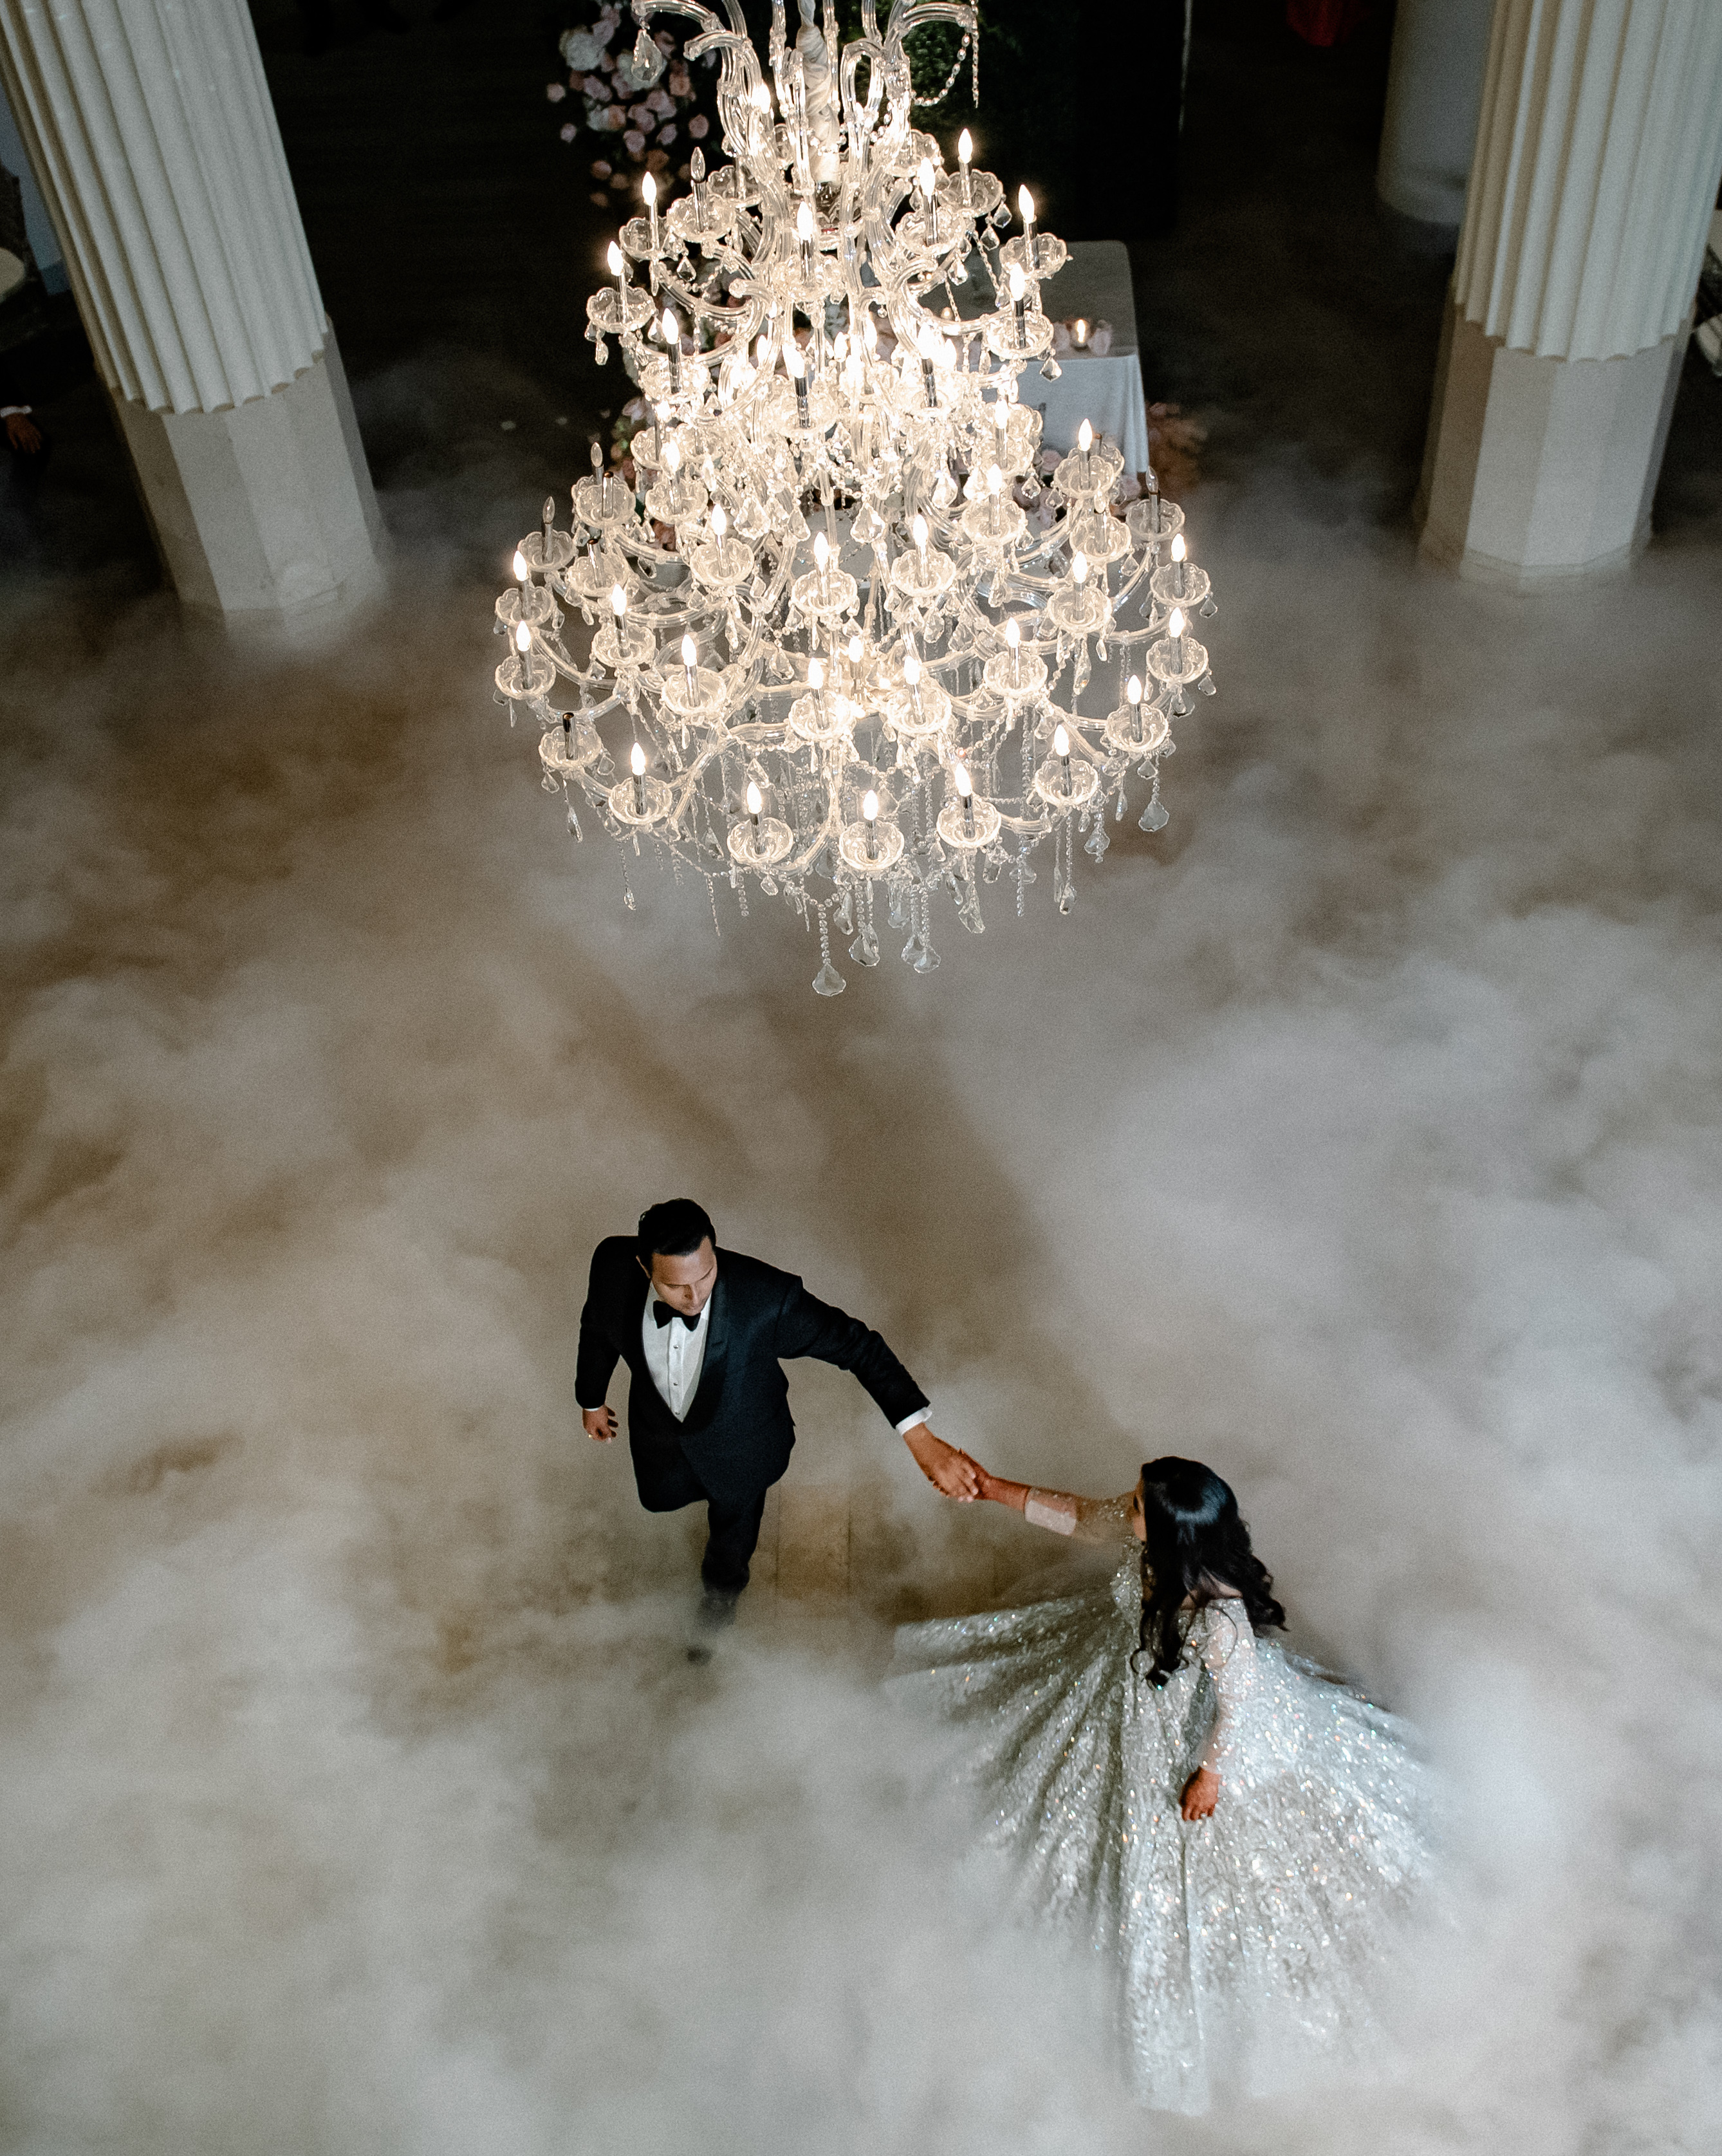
844	683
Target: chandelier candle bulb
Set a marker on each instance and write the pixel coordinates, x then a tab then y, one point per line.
919	532
523	645
696	173
804	232
1061	749
1174	629
965	792
1013	637
1179	550
523	575
965	151
618	271
821	562
673	345
995	487
816	682
1030	249
796	365
870	811
618	601
636	764
1085	444
911	675
755	801
927	184
1133	697
1079	569
690	660
1019	300
648	189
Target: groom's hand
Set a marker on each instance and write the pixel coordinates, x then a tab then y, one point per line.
947	1469
600	1424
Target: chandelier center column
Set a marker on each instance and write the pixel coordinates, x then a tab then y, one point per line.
150	131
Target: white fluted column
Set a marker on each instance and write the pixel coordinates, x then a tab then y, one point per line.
151	130
1434	90
1598	155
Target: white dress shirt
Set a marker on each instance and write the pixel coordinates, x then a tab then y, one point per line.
675	1356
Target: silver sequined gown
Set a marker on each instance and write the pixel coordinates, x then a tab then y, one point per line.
1244	1948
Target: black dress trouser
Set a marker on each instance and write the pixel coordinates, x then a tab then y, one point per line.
667	1483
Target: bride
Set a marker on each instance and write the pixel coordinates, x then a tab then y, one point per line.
1238	1837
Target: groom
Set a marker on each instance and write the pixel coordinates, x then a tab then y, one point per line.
703	1331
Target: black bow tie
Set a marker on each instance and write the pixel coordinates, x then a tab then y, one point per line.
663	1312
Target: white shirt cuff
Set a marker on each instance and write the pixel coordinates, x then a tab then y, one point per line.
7	410
909	1422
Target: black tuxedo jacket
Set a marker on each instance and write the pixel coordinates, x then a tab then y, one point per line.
738	1432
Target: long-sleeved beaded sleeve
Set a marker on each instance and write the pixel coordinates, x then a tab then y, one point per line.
1084	1519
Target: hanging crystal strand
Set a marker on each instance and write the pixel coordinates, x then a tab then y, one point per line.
827	981
1063	875
1155	817
865	950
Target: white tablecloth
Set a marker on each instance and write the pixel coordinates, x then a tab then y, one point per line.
1107	392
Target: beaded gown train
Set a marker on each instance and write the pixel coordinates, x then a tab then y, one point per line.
1242	1949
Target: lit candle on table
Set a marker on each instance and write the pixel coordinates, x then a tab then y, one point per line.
1079	333
637	764
1061	749
869	810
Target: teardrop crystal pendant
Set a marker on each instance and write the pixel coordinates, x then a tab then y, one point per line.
827	981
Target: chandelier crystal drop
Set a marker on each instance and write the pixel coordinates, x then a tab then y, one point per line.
865	676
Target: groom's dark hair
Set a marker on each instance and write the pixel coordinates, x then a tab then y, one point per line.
674	1230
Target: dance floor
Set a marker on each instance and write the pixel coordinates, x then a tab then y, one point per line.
1358	1133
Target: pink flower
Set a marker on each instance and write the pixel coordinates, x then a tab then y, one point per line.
666	134
699	127
554	92
568	130
633	143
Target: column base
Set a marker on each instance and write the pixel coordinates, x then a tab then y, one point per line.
1540	472
264	514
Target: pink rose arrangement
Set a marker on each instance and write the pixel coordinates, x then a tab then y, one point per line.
641	98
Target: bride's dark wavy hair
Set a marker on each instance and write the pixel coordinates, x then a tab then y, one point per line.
1195	1544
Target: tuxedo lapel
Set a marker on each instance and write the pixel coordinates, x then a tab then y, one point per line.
717	1349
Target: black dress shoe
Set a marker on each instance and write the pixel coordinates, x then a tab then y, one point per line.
717	1608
